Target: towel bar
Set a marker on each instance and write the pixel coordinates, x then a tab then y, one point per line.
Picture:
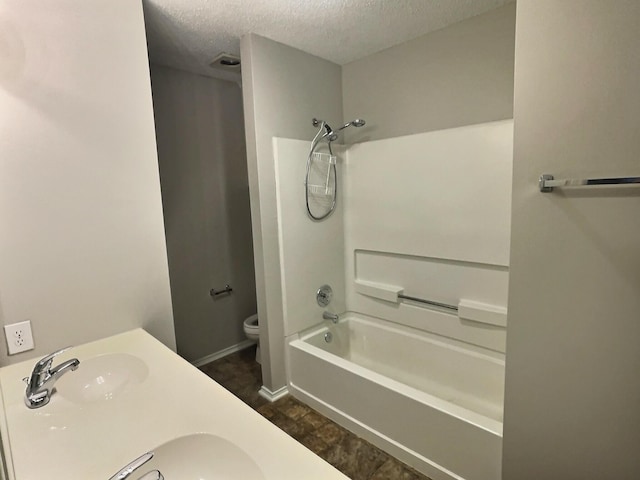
547	183
227	289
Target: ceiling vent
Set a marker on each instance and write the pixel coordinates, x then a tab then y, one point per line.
226	62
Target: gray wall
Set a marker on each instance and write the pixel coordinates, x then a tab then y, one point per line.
205	194
283	90
460	75
572	406
82	248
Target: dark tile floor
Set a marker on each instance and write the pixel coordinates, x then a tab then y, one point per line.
356	458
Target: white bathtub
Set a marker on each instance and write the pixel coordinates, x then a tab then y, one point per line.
435	405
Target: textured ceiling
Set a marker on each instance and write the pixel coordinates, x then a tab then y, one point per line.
188	34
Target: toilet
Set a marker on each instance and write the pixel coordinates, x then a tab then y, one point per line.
252	331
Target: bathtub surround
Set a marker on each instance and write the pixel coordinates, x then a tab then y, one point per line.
311	253
205	195
454	244
454	248
460	253
573	363
82	245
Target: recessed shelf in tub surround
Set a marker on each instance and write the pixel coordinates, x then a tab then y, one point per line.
173	400
465	309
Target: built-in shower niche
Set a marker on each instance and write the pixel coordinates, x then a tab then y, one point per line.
473	296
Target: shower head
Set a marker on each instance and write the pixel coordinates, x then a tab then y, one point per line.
330	135
358	122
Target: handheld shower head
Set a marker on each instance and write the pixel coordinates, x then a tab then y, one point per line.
358	122
329	135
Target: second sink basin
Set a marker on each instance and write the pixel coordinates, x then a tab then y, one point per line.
199	456
102	378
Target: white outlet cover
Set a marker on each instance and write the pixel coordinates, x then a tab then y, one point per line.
19	337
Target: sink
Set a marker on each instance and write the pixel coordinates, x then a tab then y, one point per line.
102	378
201	456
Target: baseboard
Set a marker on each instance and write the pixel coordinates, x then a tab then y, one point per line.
264	392
223	353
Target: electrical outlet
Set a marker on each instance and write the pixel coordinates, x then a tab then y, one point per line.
19	337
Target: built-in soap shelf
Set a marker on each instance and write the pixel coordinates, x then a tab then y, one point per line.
465	309
379	290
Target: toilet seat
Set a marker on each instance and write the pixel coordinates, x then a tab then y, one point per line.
252	331
251	324
251	327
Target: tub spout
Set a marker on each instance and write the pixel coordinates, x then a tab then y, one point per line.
331	316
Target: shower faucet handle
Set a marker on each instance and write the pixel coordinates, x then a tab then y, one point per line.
324	295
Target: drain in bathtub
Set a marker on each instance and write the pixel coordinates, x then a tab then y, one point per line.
328	337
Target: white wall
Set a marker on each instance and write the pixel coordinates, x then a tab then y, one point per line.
81	242
311	252
573	360
459	75
205	194
431	213
283	89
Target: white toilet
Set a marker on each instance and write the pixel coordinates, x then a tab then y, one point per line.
252	331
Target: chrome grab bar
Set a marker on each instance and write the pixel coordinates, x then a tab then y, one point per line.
428	302
547	183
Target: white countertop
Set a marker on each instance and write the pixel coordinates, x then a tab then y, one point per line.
85	441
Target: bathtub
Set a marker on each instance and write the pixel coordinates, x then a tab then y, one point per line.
432	403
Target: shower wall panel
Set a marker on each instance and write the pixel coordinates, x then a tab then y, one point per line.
431	213
311	252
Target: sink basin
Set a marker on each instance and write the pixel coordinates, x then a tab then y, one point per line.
201	456
102	378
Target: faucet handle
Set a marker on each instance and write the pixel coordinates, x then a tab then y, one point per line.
45	362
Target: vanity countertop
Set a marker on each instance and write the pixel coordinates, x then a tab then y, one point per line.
80	435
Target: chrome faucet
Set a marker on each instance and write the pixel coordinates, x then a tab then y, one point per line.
131	467
43	378
330	316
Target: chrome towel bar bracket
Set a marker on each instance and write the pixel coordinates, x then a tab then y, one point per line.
547	183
